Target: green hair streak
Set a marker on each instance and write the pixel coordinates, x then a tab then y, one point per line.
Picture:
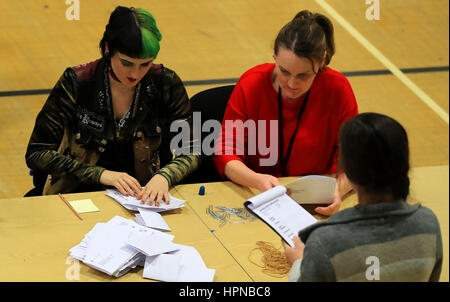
149	32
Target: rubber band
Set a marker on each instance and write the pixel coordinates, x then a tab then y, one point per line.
274	260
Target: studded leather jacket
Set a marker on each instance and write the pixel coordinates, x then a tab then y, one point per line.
76	126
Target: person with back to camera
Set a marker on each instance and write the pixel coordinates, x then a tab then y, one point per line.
382	238
309	100
107	122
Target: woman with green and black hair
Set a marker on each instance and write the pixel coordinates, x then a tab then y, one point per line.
107	122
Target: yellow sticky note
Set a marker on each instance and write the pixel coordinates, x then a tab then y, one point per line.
84	206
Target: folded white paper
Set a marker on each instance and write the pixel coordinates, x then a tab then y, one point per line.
153	220
164	267
139	220
192	267
132	203
151	244
189	266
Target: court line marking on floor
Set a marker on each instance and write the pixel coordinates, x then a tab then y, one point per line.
385	61
358	73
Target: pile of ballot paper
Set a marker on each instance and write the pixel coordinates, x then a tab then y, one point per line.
119	245
132	203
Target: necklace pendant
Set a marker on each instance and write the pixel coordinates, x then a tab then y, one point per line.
117	134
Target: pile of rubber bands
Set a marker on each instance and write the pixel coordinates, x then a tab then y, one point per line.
274	260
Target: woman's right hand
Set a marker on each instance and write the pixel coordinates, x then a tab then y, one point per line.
264	182
126	184
239	173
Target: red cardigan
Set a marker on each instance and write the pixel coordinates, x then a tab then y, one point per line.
331	102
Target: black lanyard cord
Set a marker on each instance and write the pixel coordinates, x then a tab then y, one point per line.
283	160
128	114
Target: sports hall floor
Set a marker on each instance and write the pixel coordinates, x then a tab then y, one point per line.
398	65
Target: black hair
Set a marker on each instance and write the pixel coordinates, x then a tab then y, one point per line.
131	31
374	154
308	35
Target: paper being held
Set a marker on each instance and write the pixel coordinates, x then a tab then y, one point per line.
279	211
132	203
312	189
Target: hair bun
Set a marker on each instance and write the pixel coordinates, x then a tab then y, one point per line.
303	15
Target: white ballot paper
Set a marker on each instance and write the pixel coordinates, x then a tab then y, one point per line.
183	265
139	220
151	244
162	267
153	220
192	267
312	189
121	244
132	203
105	247
280	212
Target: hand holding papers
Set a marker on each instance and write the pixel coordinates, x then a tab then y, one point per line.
132	203
312	189
280	212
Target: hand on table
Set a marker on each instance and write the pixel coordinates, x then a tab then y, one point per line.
126	184
156	190
293	253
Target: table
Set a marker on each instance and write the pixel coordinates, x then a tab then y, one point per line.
429	186
36	233
239	239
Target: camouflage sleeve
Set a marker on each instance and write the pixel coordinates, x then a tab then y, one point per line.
56	115
179	108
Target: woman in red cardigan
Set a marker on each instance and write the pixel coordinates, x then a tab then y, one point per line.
283	119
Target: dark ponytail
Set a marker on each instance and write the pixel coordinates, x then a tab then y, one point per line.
374	154
328	29
308	35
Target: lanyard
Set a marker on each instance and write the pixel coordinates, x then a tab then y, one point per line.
283	160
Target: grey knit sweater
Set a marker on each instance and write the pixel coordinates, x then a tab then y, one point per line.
389	241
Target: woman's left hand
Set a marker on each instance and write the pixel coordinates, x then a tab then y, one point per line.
157	189
293	253
332	208
343	186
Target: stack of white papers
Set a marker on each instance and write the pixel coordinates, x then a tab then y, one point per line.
105	247
121	244
132	203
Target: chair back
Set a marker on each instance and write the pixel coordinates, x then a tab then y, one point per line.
211	103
